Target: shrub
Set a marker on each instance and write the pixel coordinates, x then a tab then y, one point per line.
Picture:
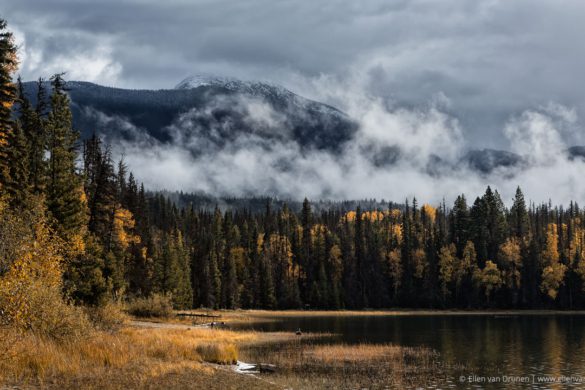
31	285
109	317
52	317
156	305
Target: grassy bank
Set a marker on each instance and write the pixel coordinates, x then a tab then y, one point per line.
128	358
342	366
177	356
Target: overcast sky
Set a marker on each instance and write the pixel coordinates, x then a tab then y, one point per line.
484	61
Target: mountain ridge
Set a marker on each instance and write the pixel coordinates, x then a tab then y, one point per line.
216	111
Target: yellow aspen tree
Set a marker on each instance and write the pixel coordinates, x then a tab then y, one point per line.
511	260
430	211
466	264
31	288
396	233
490	278
350	216
446	267
123	227
553	271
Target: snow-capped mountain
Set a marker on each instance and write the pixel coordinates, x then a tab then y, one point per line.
207	114
214	109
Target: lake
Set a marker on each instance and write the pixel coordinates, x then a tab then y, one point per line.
476	350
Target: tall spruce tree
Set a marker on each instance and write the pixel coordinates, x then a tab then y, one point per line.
8	64
18	187
33	129
518	220
66	200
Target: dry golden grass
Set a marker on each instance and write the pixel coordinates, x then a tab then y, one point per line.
336	353
141	354
218	353
176	356
303	365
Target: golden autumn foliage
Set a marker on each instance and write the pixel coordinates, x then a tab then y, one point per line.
75	245
553	271
123	226
552	277
318	231
396	233
350	216
430	211
511	259
490	277
31	287
373	216
260	243
447	263
395	214
467	264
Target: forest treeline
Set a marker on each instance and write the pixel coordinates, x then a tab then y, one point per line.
75	220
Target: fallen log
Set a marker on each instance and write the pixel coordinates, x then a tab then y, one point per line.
198	315
267	368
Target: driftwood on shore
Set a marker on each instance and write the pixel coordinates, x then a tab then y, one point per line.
255	368
198	315
268	368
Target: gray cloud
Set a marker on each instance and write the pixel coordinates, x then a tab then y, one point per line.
491	58
452	74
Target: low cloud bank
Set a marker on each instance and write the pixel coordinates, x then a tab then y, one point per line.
397	153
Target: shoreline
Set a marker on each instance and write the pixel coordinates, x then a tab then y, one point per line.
254	313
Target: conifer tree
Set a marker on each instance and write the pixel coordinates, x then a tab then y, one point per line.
33	130
266	286
459	219
306	250
519	216
18	187
66	200
183	291
8	64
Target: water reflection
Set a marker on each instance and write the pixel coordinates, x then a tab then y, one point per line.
486	345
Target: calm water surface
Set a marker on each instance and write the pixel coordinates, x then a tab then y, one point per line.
494	350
